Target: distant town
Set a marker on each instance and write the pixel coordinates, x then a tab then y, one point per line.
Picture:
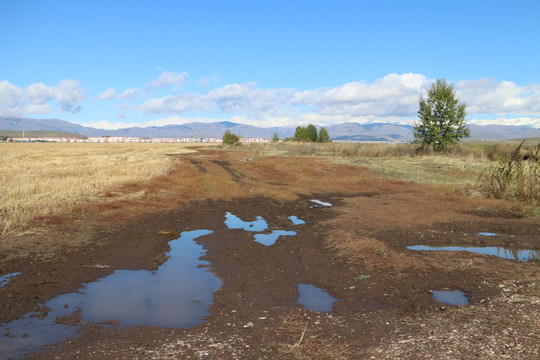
118	139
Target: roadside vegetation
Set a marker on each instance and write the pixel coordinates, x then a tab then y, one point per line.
515	176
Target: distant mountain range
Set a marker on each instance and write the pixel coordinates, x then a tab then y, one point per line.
344	132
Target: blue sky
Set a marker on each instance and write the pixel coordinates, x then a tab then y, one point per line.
114	64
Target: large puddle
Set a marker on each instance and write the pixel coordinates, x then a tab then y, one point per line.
176	295
315	299
451	297
510	254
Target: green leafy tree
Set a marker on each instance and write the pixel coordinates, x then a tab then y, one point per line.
301	133
323	135
275	138
312	133
442	117
230	138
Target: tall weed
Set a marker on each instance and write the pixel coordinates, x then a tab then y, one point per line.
514	177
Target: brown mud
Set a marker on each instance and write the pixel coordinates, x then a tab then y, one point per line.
354	250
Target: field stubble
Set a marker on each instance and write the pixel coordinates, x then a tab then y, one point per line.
44	179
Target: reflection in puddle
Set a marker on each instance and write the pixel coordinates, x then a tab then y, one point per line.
450	297
315	299
296	221
510	254
176	295
270	239
322	203
5	279
234	222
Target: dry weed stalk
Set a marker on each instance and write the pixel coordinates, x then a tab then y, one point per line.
295	326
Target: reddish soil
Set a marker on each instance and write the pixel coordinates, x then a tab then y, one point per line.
355	250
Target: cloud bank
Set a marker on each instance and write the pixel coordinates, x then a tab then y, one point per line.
390	99
34	99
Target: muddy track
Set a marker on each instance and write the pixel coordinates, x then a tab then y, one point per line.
255	314
236	175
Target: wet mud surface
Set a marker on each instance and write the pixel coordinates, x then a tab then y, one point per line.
258	313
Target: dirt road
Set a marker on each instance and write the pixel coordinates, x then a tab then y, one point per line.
355	250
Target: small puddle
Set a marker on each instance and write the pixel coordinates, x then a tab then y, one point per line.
509	254
322	203
270	239
5	279
296	221
234	222
315	299
490	234
450	297
176	295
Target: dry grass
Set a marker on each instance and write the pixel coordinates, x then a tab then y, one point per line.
457	169
45	179
370	253
474	150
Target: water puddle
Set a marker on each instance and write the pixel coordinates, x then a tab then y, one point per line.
270	239
487	234
176	295
322	203
315	299
234	222
509	254
450	297
296	221
5	279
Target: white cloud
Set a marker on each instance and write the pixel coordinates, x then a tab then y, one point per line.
113	94
167	78
39	93
38	109
67	93
232	99
107	125
486	96
13	100
173	104
520	121
392	95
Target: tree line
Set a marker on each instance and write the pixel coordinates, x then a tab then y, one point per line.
309	134
303	133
